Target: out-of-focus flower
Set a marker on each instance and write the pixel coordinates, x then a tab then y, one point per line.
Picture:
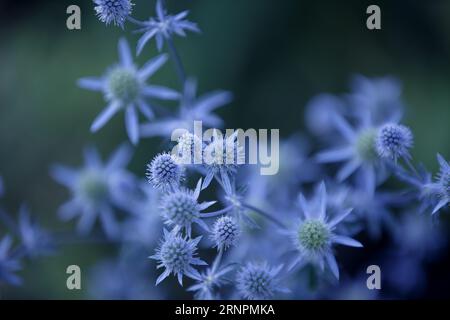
115	11
358	151
320	111
177	254
259	281
8	264
35	240
381	96
96	189
191	109
181	208
314	236
125	88
164	26
394	141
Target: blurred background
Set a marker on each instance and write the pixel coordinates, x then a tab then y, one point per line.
273	55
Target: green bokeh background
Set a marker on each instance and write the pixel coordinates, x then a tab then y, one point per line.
273	55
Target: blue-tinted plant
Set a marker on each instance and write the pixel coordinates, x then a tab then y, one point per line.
96	189
177	255
125	88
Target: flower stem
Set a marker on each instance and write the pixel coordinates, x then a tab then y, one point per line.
265	215
217	213
177	61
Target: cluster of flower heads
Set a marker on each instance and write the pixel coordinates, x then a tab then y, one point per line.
279	236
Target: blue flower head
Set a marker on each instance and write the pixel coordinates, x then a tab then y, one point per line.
125	88
115	11
225	232
259	281
442	184
163	26
8	264
314	235
357	151
177	254
164	172
221	157
394	141
96	189
181	208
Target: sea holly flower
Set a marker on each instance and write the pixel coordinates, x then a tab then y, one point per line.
164	172
8	264
259	281
96	189
191	109
177	254
315	235
441	187
221	158
394	141
181	208
125	88
115	11
34	240
163	27
358	151
225	232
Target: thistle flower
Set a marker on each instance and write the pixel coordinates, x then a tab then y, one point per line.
394	141
8	264
225	232
164	26
441	187
177	254
164	172
125	88
96	189
180	208
116	11
319	113
35	240
221	157
189	149
314	236
358	151
191	109
259	281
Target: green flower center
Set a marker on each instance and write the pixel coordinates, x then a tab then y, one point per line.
123	84
365	145
313	235
93	186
